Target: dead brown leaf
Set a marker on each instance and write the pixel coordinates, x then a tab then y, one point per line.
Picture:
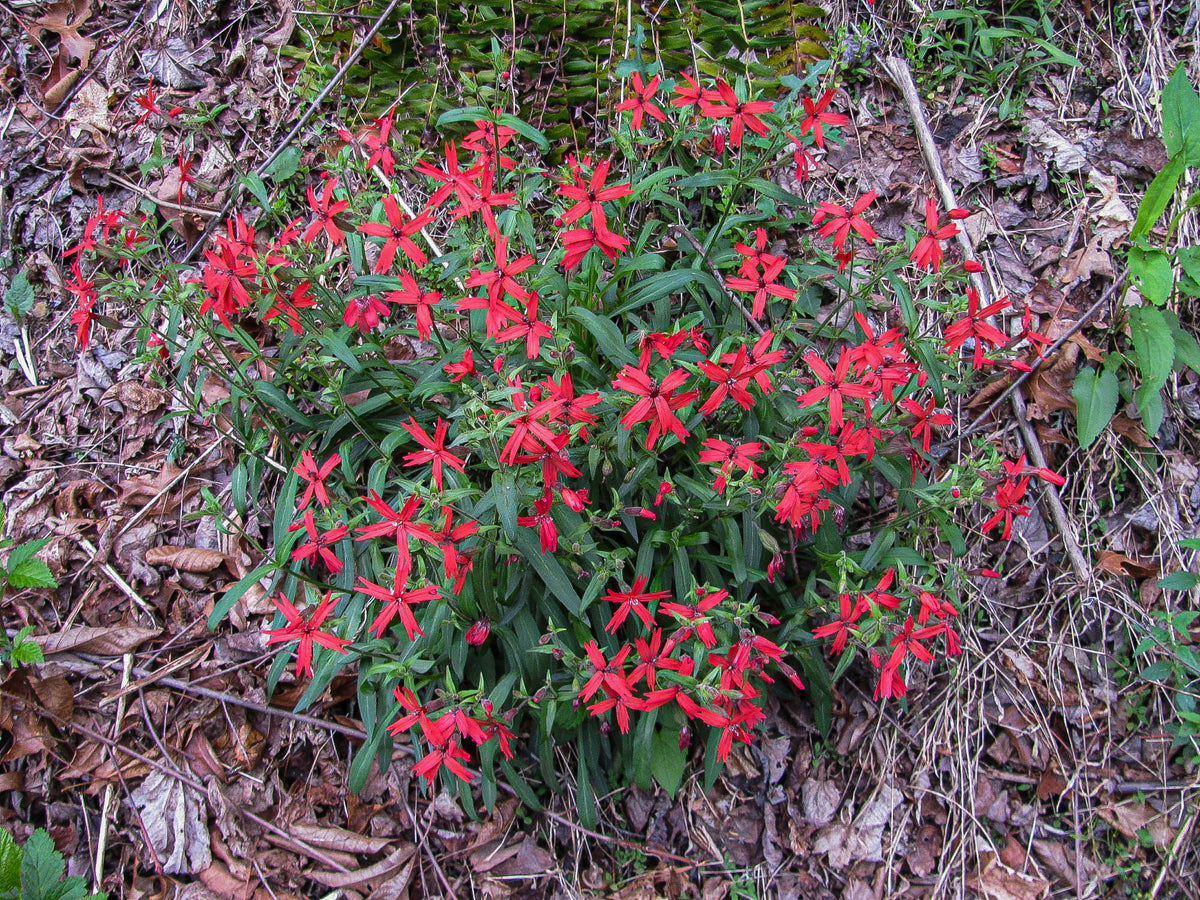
64	19
1124	566
135	396
112	641
401	856
997	881
1135	818
186	559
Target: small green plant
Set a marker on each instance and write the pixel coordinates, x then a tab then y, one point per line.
992	51
23	570
1158	342
1178	668
35	871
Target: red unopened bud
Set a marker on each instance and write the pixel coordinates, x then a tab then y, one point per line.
478	633
971	266
685	737
955	493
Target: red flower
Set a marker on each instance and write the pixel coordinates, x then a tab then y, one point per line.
974	326
634	601
724	104
589	197
928	252
85	296
842	626
326	209
412	295
695	615
398	233
319	543
398	602
657	402
817	118
763	285
289	306
926	417
641	103
454	181
732	383
578	241
842	220
529	327
689	96
834	388
306	631
149	102
730	455
435	451
223	274
462	368
363	312
605	673
445	751
543	522
397	525
315	476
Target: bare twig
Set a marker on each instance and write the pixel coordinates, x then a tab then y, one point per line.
102	833
116	579
900	73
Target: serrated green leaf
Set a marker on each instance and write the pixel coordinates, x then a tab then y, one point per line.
1179	581
19	296
1158	671
41	868
10	866
32	573
1149	402
1095	403
27	653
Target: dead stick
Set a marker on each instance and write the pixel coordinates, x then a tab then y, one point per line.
900	73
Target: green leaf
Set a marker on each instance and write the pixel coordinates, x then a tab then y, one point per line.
1158	195
27	653
608	336
10	866
255	186
19	296
41	868
1148	399
1179	581
1152	274
1095	403
1187	348
284	165
1180	110
1157	672
1153	344
25	570
550	570
668	762
234	594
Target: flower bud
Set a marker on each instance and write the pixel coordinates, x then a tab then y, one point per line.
478	633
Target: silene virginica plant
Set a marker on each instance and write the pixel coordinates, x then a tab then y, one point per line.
595	449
